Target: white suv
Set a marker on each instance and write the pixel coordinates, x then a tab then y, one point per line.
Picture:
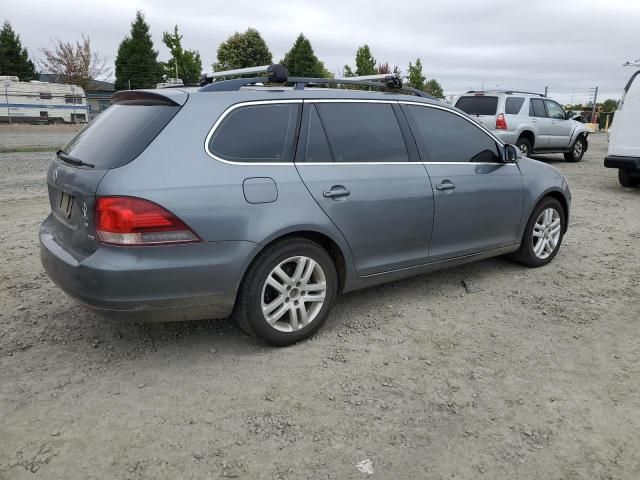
531	121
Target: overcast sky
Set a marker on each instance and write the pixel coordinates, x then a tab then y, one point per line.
568	45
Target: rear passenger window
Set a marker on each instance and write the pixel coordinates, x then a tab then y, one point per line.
363	132
256	133
513	105
447	137
536	108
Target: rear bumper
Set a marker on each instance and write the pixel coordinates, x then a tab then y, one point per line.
507	136
625	163
160	283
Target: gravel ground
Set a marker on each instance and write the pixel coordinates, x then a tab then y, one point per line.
520	374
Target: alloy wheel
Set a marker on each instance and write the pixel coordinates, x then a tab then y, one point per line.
577	149
293	294
546	233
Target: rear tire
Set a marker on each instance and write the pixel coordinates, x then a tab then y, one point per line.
577	150
524	145
287	293
626	180
542	235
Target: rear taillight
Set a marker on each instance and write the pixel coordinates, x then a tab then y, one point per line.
501	123
135	221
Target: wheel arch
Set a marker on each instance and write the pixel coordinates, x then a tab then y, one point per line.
529	135
557	195
340	254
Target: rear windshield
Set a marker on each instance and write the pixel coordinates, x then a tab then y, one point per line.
120	134
477	105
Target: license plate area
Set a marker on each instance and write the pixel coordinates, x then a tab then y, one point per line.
66	204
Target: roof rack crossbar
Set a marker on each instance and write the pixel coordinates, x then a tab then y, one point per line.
274	73
278	74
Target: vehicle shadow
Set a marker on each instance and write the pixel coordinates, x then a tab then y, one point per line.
224	337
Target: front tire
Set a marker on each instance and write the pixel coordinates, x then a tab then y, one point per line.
626	180
288	292
577	150
543	234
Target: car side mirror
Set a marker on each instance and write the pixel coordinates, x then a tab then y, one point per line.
511	153
569	116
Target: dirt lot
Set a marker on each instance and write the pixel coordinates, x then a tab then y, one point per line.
524	374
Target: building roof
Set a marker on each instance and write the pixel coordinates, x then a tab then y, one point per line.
95	84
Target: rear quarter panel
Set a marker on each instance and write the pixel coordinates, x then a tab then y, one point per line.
176	172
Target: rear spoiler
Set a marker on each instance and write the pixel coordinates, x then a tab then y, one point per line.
168	97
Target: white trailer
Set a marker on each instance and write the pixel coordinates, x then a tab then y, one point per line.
41	102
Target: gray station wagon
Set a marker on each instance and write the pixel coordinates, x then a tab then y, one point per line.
266	198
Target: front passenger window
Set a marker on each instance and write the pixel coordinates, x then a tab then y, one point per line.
555	110
448	137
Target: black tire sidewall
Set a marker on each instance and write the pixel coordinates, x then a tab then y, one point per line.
524	141
251	291
526	248
626	180
570	156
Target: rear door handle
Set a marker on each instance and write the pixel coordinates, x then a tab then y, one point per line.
445	185
336	191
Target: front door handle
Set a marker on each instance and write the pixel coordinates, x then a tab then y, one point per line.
336	191
445	185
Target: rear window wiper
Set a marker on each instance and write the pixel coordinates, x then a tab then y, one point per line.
72	160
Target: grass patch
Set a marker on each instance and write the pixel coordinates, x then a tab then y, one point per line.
29	149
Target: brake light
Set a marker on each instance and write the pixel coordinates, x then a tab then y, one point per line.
501	123
135	221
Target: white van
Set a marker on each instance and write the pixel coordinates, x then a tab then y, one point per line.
624	135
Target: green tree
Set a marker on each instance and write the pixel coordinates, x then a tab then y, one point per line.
365	63
301	61
610	105
137	63
434	88
347	72
242	50
415	77
14	59
186	62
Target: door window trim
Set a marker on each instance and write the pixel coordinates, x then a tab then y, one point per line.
472	122
293	163
412	152
236	106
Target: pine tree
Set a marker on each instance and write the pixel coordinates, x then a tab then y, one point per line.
415	76
365	63
137	62
14	59
242	50
434	88
187	62
300	61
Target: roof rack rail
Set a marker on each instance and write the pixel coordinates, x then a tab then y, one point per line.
278	74
527	93
509	92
